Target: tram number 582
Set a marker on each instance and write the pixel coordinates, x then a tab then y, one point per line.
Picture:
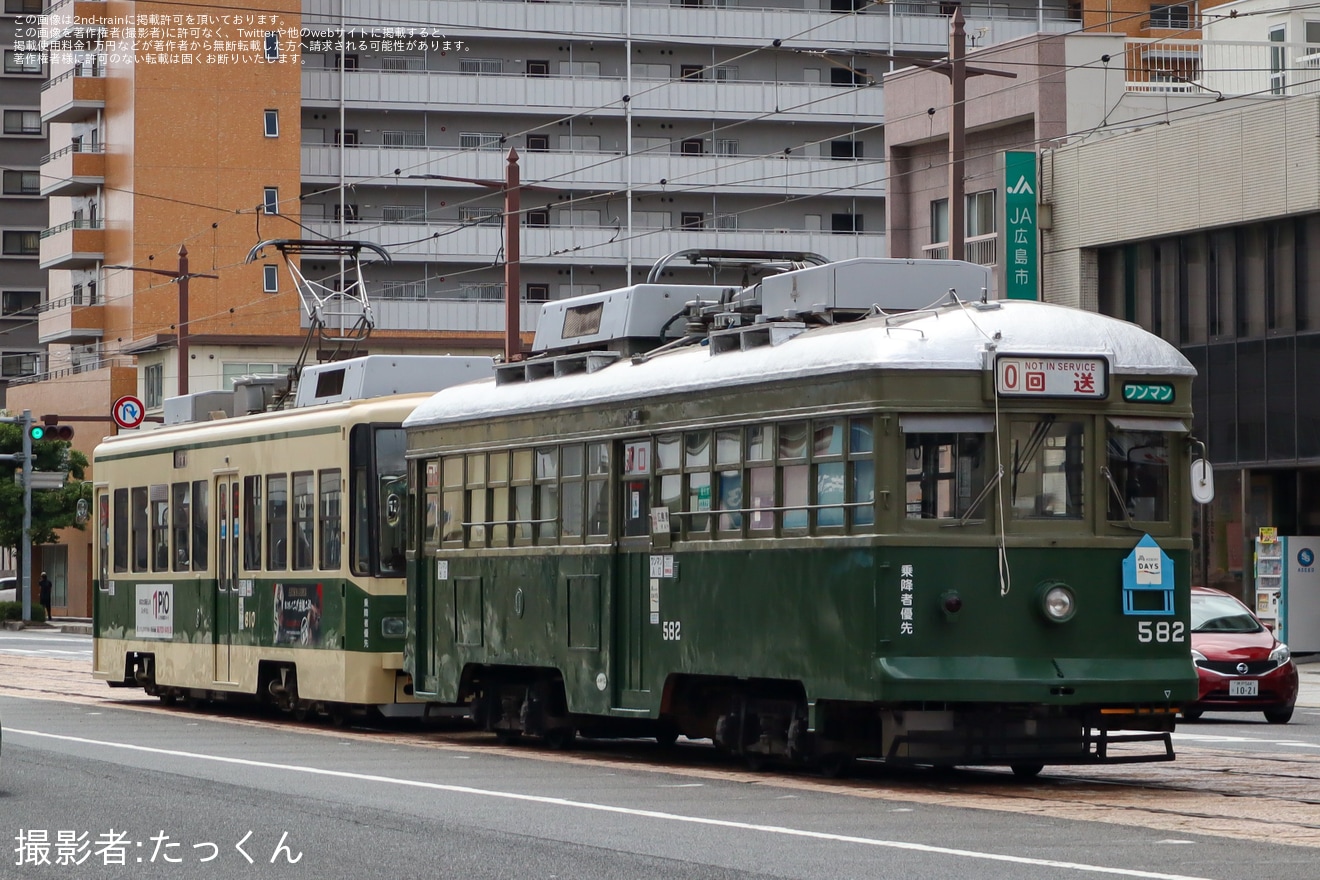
671	631
1163	631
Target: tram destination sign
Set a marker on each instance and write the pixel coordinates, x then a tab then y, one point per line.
1032	376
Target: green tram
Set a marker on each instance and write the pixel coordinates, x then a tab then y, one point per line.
261	557
959	535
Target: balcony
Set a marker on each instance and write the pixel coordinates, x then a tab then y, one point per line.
980	249
792	175
454	315
518	94
583	245
913	26
73	170
73	245
73	95
78	319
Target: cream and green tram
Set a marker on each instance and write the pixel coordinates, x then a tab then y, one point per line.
257	558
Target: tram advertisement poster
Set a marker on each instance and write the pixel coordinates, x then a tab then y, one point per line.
155	611
298	614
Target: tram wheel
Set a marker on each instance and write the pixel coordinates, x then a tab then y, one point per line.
560	738
168	699
835	766
1027	771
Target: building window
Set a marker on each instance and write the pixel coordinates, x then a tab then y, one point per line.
481	65
726	146
980	213
480	140
692	147
1278	60
402	62
691	71
538	142
540	217
23	7
348	212
270	200
413	137
22	183
19	303
480	216
23	122
272	46
346	62
270	279
153	386
272	123
939	221
845	148
845	223
848	76
22	62
538	68
21	243
538	293
1176	17
692	220
347	137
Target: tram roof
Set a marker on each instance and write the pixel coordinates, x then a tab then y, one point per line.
948	338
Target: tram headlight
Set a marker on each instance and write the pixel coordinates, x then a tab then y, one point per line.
1057	602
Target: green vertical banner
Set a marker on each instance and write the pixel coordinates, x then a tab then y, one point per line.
1022	243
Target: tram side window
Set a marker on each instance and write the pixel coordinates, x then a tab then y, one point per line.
522	496
391	499
182	525
729	480
331	501
498	479
761	495
669	469
947	460
1139	465
696	468
451	516
861	461
831	483
103	538
160	527
200	524
141	530
571	490
277	522
121	529
304	520
432	521
252	520
547	495
794	472
1047	468
476	500
598	495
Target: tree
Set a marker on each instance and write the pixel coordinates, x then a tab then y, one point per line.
52	509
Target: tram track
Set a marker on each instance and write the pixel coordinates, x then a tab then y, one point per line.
1223	793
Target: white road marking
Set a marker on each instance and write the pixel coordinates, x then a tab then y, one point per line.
622	811
1212	738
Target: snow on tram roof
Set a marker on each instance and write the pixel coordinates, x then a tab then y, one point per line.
950	338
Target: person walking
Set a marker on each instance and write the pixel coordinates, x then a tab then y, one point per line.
46	587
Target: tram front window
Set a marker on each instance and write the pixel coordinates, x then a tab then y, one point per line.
1047	476
1139	465
379	493
946	473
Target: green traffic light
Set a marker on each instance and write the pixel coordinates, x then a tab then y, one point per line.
37	432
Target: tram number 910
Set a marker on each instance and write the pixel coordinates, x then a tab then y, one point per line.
1162	631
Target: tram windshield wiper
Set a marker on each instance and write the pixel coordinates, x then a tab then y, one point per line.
1122	502
976	502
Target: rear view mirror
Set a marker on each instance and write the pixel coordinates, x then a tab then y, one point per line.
1203	481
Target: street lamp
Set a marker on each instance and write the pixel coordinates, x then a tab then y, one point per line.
179	277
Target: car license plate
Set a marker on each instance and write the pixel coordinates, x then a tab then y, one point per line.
1243	688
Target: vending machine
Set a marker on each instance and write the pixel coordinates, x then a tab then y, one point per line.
1288	589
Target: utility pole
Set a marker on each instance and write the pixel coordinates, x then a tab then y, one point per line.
957	132
179	277
25	458
512	187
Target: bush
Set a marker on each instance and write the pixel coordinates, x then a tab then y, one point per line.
14	611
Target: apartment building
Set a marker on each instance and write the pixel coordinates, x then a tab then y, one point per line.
22	206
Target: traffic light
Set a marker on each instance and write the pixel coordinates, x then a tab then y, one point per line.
51	429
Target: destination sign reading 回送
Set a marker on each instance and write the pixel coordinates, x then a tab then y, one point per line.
1026	376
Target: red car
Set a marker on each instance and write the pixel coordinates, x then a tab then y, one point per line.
1242	667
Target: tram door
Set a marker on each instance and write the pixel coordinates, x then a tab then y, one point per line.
225	601
632	584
